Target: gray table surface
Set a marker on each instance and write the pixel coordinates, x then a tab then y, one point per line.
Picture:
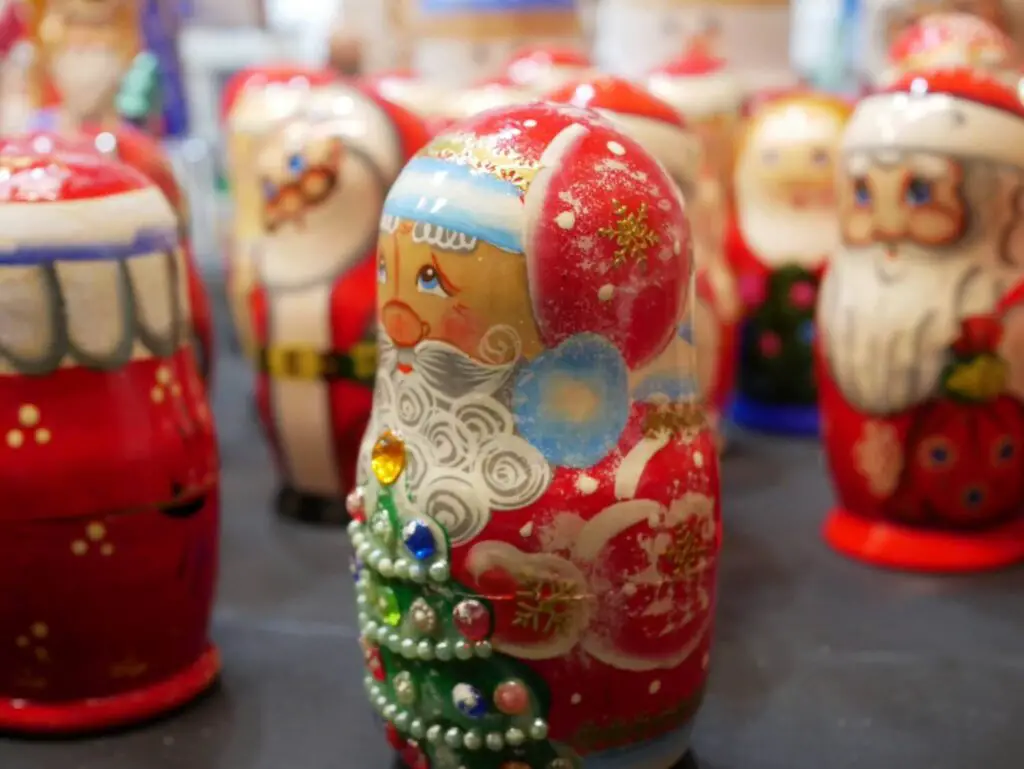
820	663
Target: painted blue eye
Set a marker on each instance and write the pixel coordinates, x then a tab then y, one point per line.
296	163
429	282
919	192
861	192
382	271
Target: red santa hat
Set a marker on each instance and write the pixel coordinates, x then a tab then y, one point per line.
697	84
597	219
532	67
960	112
645	117
94	207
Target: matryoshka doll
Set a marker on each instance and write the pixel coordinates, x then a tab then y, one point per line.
951	40
255	101
786	214
137	149
324	174
544	68
431	101
921	334
537	527
666	135
110	470
84	50
487	94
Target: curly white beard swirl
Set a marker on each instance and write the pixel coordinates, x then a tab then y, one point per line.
483	416
454	502
514	472
450	441
413	403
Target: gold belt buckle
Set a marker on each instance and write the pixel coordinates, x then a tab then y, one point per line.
294	363
364	360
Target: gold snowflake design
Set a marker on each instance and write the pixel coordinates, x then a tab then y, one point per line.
482	157
687	554
543	604
631	234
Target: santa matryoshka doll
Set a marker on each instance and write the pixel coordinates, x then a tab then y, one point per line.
85	49
324	174
952	40
664	133
544	68
786	214
920	334
255	101
537	523
110	471
137	149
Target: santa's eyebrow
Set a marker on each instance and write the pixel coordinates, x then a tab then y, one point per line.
446	283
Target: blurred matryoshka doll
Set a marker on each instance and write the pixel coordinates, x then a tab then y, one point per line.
255	101
85	48
786	214
537	529
323	176
544	68
488	94
109	512
921	328
952	40
430	101
663	132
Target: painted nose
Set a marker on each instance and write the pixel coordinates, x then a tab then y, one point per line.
402	324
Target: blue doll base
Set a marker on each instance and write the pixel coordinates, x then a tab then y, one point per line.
802	421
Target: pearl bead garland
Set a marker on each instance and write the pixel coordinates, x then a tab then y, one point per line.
370	549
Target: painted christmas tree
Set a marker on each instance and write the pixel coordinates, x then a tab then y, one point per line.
450	700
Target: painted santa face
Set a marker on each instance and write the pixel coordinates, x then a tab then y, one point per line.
94	304
440	286
923	249
321	198
785	183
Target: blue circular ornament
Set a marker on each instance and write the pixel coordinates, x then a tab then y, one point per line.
469	701
419	540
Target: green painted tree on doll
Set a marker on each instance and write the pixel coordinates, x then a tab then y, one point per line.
450	700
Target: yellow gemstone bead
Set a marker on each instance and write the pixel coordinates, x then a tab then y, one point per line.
387	460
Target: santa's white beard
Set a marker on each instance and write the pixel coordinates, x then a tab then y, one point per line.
779	235
464	459
886	325
87	79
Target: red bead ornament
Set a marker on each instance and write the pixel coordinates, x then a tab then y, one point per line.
395	739
472	620
355	504
512	698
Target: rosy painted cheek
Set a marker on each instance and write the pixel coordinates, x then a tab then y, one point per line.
462	328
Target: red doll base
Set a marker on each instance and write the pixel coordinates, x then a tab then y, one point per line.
106	713
890	545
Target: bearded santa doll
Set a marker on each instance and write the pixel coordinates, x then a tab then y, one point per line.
786	215
109	519
710	326
949	40
85	49
255	101
544	68
537	521
324	174
921	341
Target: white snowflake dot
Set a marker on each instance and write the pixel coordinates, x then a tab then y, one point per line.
530	123
576	699
676	246
527	530
606	292
586	484
629	589
616	149
566	220
655	687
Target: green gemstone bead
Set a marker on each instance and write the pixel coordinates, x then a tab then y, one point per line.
388	608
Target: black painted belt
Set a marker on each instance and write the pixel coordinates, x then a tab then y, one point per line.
358	364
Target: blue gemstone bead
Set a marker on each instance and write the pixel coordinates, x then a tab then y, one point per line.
419	540
469	701
296	164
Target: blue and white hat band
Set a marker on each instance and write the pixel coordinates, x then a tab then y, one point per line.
459	198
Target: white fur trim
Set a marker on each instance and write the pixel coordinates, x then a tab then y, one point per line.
676	148
258	110
111	219
419	96
699	96
906	121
